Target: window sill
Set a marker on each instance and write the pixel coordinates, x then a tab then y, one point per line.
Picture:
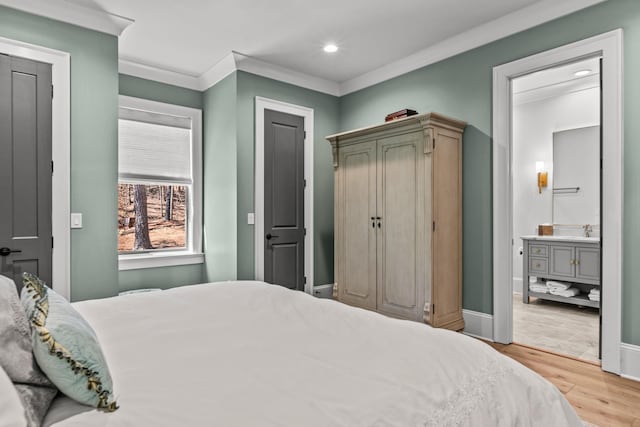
155	260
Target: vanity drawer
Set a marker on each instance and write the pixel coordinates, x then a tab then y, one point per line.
538	265
538	250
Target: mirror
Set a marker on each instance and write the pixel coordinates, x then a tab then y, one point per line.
576	176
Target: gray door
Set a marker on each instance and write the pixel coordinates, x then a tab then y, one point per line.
25	168
284	199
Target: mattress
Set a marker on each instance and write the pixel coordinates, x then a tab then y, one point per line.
253	354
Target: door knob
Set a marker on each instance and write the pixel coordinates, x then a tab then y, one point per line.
7	251
269	236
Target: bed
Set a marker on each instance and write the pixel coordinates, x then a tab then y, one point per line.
253	354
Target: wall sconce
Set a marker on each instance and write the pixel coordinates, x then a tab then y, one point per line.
542	176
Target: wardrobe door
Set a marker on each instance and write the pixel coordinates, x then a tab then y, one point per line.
401	228
356	235
447	231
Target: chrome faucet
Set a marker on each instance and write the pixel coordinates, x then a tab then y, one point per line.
588	229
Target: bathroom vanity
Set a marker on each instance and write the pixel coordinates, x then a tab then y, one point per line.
564	258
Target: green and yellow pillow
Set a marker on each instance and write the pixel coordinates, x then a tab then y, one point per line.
65	346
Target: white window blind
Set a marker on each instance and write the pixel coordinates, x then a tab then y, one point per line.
154	147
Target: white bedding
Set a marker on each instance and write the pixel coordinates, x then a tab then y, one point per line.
251	354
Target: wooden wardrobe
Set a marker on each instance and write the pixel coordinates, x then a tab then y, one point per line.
398	218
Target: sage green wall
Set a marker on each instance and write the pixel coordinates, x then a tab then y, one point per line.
220	180
161	92
94	109
462	87
162	277
325	110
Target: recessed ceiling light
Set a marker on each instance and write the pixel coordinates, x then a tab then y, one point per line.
330	48
582	73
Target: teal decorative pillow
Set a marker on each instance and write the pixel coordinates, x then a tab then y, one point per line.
66	347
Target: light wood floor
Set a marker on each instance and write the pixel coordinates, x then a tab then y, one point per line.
598	397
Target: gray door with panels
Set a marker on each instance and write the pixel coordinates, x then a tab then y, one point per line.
284	199
25	168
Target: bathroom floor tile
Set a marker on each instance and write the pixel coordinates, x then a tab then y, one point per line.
563	328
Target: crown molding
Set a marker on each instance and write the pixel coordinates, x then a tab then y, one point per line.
149	72
523	19
234	61
72	13
276	72
219	71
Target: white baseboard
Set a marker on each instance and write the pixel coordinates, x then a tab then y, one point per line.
517	285
323	291
630	361
478	324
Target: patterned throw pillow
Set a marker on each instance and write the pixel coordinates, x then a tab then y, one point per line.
16	357
66	347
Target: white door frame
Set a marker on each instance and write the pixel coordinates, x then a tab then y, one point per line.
609	46
271	104
61	153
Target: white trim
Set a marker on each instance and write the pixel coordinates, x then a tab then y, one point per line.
158	259
307	113
73	13
148	72
217	72
479	325
630	361
60	154
275	72
234	61
520	20
609	46
195	211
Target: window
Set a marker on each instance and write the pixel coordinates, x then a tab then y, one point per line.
159	184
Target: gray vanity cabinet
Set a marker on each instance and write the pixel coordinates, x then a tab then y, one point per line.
561	261
575	260
575	263
588	265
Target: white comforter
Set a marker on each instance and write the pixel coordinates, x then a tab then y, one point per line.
252	354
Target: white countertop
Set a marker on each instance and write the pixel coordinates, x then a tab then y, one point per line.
574	239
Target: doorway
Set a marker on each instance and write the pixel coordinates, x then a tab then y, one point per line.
284	199
609	47
263	105
26	240
61	150
556	192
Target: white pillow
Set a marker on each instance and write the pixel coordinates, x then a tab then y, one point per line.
11	409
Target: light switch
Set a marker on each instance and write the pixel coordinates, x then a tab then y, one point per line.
76	220
251	219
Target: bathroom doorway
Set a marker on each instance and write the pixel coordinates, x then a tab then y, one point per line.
609	46
556	152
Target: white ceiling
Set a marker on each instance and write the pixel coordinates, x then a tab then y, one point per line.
556	81
189	37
